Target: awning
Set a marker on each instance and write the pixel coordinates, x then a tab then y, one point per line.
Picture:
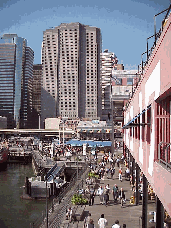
131	122
88	142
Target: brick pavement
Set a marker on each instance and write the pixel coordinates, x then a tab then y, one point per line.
128	214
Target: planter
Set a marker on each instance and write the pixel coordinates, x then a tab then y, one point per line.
78	199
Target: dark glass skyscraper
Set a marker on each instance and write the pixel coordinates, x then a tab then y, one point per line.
16	68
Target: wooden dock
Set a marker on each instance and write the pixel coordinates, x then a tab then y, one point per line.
18	155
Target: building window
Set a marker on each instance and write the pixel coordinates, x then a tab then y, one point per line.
148	135
119	81
129	81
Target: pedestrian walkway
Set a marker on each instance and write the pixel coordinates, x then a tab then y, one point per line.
129	214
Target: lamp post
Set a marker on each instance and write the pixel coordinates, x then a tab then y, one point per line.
39	120
63	134
77	162
112	149
46	205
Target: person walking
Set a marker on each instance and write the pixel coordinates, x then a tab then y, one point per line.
102	222
87	220
92	195
100	193
115	193
90	224
107	172
127	173
122	196
100	173
116	225
118	161
120	174
112	172
106	194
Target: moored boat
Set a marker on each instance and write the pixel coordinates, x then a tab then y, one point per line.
4	150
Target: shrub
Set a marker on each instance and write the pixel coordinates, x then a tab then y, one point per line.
78	200
93	175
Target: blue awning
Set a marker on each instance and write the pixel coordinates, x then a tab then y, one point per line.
75	142
130	123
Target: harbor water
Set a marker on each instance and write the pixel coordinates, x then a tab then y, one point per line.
16	212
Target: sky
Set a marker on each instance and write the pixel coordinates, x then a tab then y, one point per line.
125	24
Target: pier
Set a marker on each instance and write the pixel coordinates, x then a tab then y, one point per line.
19	155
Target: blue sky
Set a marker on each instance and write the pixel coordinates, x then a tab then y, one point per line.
125	24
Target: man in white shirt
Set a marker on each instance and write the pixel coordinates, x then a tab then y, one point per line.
100	193
116	225
102	222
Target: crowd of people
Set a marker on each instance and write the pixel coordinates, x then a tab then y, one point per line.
106	169
108	166
102	222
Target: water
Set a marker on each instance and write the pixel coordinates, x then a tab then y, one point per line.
14	211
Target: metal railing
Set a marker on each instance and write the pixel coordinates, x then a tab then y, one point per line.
148	52
59	205
163	154
156	37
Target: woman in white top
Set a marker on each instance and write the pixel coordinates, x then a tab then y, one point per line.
102	222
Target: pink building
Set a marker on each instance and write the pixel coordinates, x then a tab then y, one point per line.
147	118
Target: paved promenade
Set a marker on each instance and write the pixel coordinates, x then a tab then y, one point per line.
128	214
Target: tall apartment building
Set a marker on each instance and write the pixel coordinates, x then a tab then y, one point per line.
16	63
71	84
109	63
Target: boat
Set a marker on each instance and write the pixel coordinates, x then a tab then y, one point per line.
4	150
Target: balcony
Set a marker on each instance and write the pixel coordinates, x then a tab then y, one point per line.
121	92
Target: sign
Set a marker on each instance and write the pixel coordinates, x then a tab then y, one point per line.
93	150
84	148
40	146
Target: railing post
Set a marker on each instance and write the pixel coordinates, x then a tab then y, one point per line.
159	152
147	50
155	30
167	153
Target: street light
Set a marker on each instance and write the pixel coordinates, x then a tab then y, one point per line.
39	120
46	205
112	149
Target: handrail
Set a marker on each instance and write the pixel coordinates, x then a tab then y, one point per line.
156	36
149	51
59	204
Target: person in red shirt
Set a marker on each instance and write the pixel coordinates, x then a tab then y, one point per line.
120	174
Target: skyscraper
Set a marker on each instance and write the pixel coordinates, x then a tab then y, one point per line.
16	63
37	76
107	59
71	71
109	62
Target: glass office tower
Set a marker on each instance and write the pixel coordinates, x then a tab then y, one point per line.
12	78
